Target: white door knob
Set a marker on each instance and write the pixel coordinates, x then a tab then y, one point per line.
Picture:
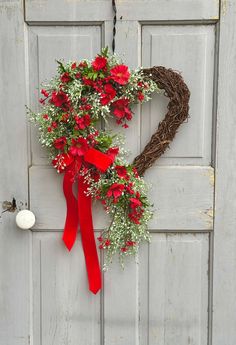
25	219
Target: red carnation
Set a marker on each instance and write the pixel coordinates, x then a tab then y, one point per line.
115	191
108	95
83	64
120	74
135	171
107	243
60	99
112	152
44	92
83	122
129	188
130	243
60	143
134	203
73	66
140	96
65	77
99	63
122	172
79	147
121	109
88	82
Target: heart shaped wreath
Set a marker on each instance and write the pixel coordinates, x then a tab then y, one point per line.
73	103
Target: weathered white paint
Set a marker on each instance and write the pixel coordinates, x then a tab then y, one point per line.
138	10
65	312
224	283
173	283
190	50
182	197
14	244
162	299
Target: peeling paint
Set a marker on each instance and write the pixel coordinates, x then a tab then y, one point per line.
224	5
211	175
208	216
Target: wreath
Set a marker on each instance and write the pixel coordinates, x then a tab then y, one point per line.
73	104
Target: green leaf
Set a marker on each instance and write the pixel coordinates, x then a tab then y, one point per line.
61	66
105	51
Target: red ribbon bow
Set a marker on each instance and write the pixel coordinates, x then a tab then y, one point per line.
79	212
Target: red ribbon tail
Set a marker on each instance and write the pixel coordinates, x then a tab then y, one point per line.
71	224
87	236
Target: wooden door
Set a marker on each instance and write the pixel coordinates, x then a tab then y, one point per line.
167	296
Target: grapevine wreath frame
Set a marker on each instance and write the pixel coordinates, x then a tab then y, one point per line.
178	109
74	101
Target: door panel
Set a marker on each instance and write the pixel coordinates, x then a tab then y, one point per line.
46	45
65	312
177	288
166	299
190	50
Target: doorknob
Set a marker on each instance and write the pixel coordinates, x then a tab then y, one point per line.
25	219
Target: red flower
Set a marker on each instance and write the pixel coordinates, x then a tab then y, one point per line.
61	161
60	99
65	77
140	96
99	63
124	249
78	75
120	74
134	203
54	124
115	191
129	188
107	243
135	171
108	95
112	152
79	147
83	122
134	217
73	66
60	143
45	117
88	82
130	243
49	129
121	109
83	64
122	172
44	92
